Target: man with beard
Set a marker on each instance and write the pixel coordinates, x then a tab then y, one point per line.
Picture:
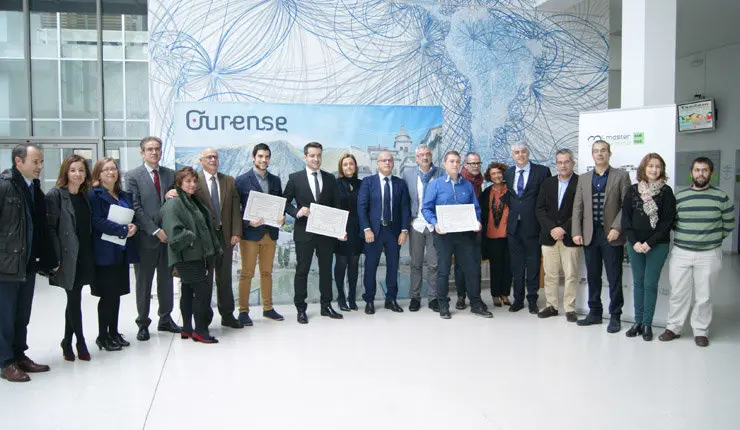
705	216
471	172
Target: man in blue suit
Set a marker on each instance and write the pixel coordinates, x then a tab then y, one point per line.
384	212
522	229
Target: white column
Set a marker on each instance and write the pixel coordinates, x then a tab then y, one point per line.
648	52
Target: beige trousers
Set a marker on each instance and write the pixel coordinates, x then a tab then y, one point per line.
250	251
692	273
555	258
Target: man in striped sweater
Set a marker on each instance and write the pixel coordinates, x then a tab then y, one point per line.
705	215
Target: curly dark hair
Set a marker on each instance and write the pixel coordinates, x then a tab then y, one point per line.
495	165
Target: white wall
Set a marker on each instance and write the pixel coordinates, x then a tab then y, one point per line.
716	74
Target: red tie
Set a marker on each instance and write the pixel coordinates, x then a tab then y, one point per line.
155	174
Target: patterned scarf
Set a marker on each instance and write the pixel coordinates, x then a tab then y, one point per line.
476	180
647	192
497	205
426	177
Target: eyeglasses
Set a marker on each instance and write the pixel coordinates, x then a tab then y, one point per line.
211	157
110	170
474	164
389	160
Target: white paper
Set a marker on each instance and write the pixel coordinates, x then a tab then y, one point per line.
266	206
456	218
327	221
118	215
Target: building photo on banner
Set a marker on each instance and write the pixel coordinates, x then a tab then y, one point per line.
631	133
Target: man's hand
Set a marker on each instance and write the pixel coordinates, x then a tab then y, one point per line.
132	230
369	236
304	211
235	240
256	222
402	238
162	236
613	235
170	194
281	220
479	228
557	233
578	240
436	228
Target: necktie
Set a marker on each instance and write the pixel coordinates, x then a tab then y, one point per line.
31	190
316	185
155	174
520	183
387	217
215	201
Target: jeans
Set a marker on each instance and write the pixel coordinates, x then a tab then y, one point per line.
599	255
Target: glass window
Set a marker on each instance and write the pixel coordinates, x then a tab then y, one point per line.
44	35
136	36
137	90
45	88
11	34
137	129
113	90
79	89
79	128
13	127
114	128
126	152
79	35
46	128
13	95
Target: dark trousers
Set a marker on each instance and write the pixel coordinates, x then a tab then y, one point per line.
500	266
601	255
385	242
195	304
16	299
73	315
459	278
222	269
108	309
151	260
324	248
348	264
525	256
462	246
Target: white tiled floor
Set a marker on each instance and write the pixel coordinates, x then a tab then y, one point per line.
391	371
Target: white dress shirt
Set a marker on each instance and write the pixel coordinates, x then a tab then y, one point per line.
151	176
311	184
526	170
419	223
208	177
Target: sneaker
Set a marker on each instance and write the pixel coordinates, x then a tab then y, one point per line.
244	318
548	312
273	315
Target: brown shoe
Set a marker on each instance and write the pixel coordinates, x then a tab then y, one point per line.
701	341
497	301
14	374
571	316
27	365
668	336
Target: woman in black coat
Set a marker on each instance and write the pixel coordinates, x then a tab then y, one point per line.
494	213
112	260
68	213
348	252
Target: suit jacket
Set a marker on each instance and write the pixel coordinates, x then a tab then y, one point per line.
550	215
61	217
107	253
370	204
249	182
146	202
617	186
298	190
228	200
521	208
410	177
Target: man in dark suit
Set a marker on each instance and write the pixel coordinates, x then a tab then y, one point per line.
522	229
148	185
384	213
25	248
259	241
554	212
218	193
306	186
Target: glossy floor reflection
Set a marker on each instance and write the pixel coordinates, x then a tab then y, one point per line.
391	371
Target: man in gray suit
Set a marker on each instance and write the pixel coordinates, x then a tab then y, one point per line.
148	184
597	225
421	243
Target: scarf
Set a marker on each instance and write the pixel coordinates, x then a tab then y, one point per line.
496	206
476	180
647	192
426	177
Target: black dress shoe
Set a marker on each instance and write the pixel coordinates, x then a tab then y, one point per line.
460	305
231	322
302	317
343	305
370	308
107	344
434	305
614	325
571	316
516	307
328	311
353	305
548	312
169	326
634	330
445	314
415	305
393	305
142	335
647	333
481	311
534	310
590	319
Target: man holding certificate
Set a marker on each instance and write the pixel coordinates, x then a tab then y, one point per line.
258	239
451	207
383	209
307	186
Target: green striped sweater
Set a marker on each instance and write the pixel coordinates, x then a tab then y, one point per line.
703	218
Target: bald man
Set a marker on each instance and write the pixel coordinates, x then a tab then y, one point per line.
218	193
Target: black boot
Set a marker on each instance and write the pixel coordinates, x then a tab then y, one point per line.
647	333
635	330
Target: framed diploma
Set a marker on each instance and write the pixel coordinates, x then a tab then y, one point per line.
266	206
456	218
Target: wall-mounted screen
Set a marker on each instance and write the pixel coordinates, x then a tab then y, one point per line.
697	115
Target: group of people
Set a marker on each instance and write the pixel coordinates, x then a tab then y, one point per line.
186	224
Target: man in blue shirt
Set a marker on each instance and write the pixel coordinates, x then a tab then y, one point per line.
452	189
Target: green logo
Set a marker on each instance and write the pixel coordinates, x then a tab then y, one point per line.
638	138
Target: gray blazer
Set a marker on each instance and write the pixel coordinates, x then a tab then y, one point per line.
146	202
617	186
410	177
60	214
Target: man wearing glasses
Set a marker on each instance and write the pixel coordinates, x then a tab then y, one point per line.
471	172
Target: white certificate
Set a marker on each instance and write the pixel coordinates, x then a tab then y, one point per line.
266	206
327	221
456	218
118	215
